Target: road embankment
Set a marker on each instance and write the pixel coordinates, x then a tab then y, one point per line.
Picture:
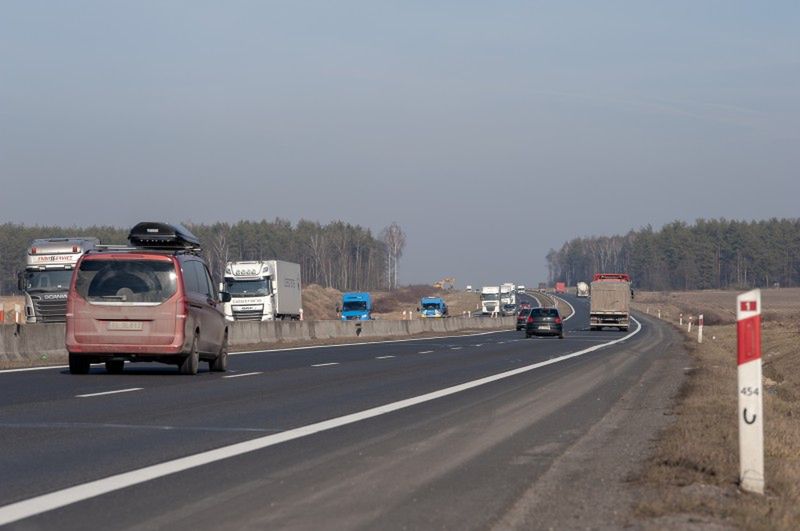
43	344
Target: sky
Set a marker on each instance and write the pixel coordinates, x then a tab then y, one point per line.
489	131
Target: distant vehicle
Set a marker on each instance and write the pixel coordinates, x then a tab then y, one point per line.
469	289
524	306
544	322
522	318
610	303
582	289
508	293
432	307
542	286
561	287
509	309
521	289
262	291
490	299
356	306
154	301
48	270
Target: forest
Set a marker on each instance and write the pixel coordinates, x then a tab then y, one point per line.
338	254
708	254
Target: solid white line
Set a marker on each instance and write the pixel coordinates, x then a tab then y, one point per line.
383	357
326	364
565	301
243	374
60	498
424	352
110	392
28	369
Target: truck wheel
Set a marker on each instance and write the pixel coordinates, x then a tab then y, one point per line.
115	366
78	364
220	363
190	363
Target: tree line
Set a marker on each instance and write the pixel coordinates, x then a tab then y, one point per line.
709	254
338	254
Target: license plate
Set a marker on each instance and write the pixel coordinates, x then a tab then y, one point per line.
247	308
125	325
544	327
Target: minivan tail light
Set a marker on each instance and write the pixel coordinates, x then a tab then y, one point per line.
558	320
530	319
184	305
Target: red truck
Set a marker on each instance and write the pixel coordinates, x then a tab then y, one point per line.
561	287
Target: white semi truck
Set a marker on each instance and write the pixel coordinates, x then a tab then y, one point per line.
582	289
48	271
508	293
267	290
490	299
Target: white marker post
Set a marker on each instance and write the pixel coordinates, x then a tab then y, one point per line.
751	418
700	329
659	313
689	328
681	320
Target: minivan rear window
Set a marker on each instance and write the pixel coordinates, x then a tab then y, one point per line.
126	281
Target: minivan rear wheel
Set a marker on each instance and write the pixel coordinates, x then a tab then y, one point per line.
190	363
78	364
220	363
115	366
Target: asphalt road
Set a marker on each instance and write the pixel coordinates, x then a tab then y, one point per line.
465	457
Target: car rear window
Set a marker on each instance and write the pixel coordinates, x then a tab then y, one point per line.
544	312
126	281
524	312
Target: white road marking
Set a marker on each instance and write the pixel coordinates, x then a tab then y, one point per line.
243	374
61	498
478	345
455	348
424	352
326	364
28	369
383	357
132	389
501	342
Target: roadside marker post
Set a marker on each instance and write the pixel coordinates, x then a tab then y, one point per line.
689	328
659	313
700	329
17	314
751	418
681	320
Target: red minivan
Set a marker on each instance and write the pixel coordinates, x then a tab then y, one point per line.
154	301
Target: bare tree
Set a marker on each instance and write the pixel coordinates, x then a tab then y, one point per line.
395	240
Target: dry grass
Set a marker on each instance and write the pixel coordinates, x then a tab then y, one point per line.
320	303
695	467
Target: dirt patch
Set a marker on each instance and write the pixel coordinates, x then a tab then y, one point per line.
693	473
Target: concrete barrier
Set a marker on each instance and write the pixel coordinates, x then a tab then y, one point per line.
44	343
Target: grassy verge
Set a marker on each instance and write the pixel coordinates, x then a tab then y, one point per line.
693	474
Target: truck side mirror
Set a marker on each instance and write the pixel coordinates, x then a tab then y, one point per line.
21	281
224	296
221	287
417	308
338	310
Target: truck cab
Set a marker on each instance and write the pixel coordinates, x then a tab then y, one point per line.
356	306
432	307
490	299
46	278
265	290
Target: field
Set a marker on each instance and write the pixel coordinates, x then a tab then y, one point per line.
691	481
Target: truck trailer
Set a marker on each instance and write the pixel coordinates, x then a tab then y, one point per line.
610	303
266	290
48	272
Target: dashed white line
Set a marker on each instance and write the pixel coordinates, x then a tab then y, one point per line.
326	364
424	352
243	374
455	348
132	389
383	357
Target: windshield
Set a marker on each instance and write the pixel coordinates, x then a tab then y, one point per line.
430	306
142	281
489	296
248	288
545	312
354	306
47	280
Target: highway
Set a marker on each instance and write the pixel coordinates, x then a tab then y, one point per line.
464	432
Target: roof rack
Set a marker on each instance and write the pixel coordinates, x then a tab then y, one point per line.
163	236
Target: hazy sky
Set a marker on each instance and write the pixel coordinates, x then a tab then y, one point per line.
490	131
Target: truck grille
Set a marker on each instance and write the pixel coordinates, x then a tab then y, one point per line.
49	311
249	315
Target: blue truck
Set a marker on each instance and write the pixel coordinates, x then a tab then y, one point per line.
356	306
432	307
